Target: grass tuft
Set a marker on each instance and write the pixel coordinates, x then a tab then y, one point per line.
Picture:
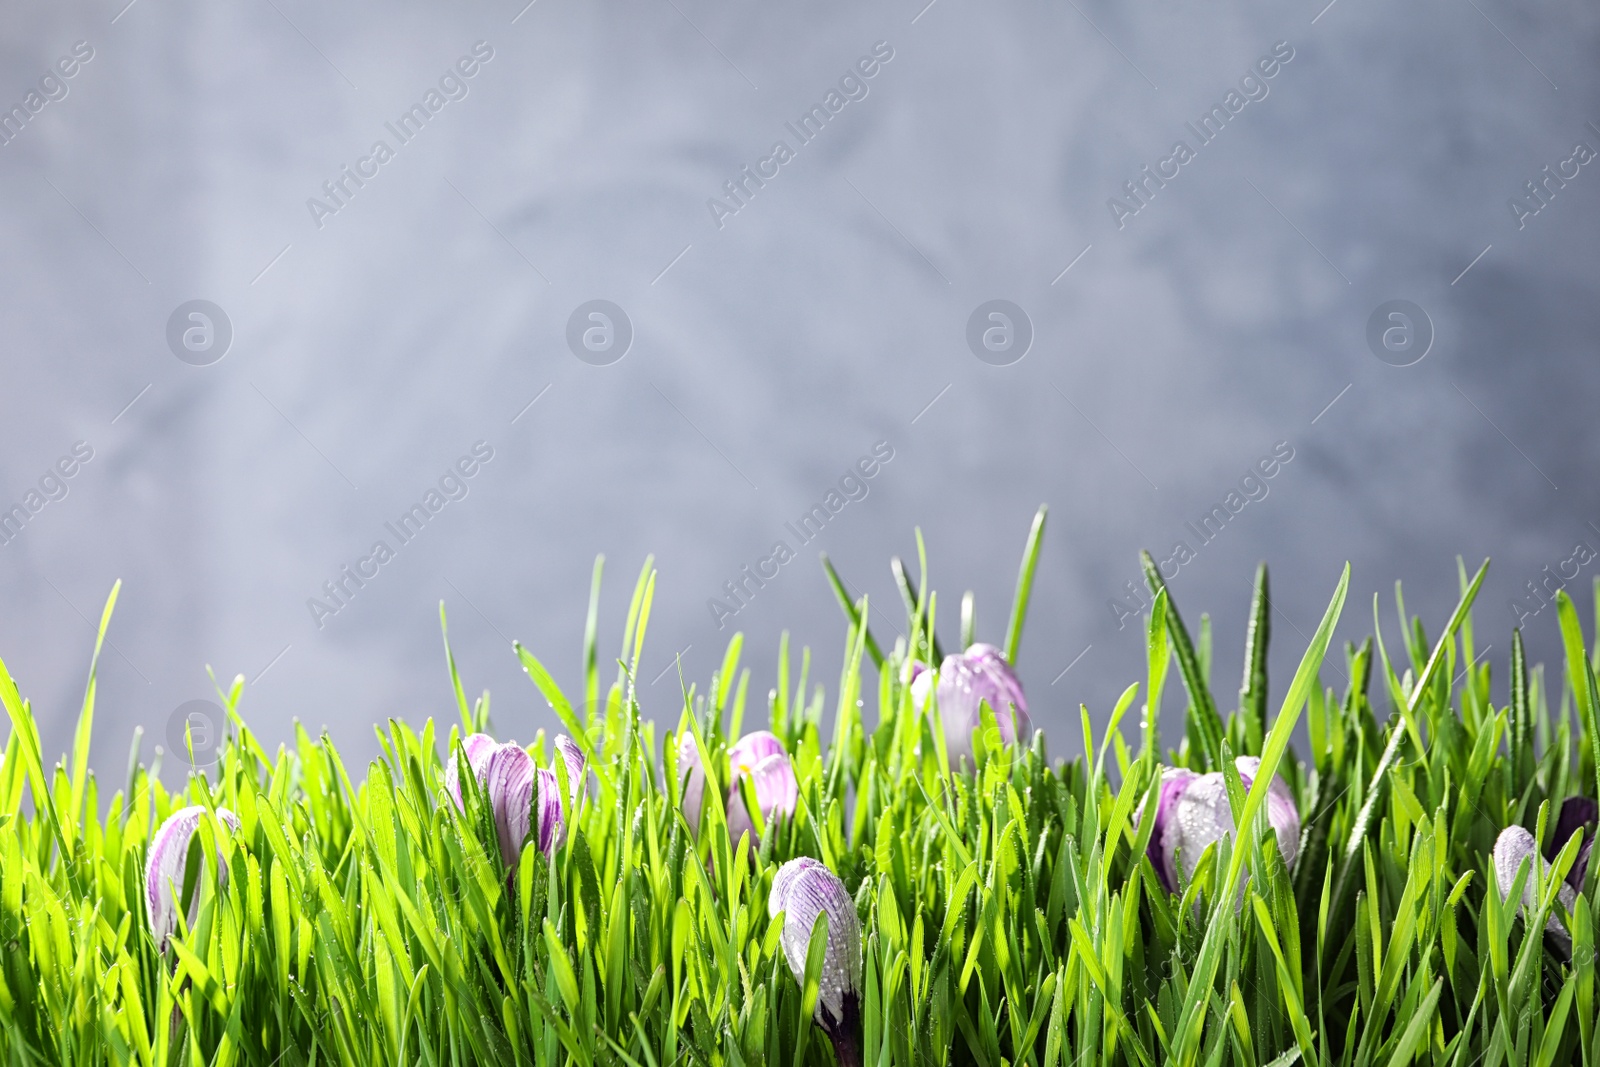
1009	909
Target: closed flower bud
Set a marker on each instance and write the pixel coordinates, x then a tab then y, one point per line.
1165	839
802	890
164	870
1514	848
1282	814
1192	813
966	681
509	782
519	794
478	749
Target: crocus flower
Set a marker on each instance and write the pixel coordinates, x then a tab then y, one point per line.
761	757
478	748
1577	813
1514	847
1165	839
509	782
164	870
802	890
1192	813
519	794
758	755
966	680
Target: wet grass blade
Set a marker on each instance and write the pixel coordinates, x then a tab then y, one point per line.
1253	691
850	611
1019	602
1202	708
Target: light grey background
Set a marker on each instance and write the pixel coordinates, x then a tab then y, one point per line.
770	353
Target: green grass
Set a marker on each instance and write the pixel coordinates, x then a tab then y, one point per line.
1009	915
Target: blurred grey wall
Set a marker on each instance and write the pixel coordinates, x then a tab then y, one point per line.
1179	316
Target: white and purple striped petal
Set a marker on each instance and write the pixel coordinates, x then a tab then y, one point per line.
478	748
802	890
1513	848
509	782
552	824
165	868
572	756
526	802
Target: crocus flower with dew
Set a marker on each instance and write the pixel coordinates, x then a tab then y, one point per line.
520	793
1164	839
1577	813
164	870
478	748
761	757
967	680
1282	815
802	890
1192	813
509	782
1514	847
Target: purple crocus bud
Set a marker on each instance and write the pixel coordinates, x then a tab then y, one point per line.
1164	839
966	680
777	793
572	756
803	889
692	778
478	748
164	870
509	782
1577	813
1193	813
1514	847
525	799
1282	814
